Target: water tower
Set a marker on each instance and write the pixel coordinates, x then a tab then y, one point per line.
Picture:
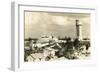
78	30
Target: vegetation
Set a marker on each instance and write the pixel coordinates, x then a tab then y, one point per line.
66	50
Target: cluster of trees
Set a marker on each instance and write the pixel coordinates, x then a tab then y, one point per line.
68	47
76	43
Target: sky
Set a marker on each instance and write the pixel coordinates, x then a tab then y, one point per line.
56	24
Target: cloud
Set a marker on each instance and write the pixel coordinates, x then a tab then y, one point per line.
31	18
59	20
57	24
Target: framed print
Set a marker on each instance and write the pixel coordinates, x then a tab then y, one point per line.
52	36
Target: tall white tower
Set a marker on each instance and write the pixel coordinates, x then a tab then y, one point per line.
78	30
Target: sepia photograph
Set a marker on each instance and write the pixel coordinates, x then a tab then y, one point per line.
54	36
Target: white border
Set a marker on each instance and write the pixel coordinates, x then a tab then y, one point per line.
18	37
